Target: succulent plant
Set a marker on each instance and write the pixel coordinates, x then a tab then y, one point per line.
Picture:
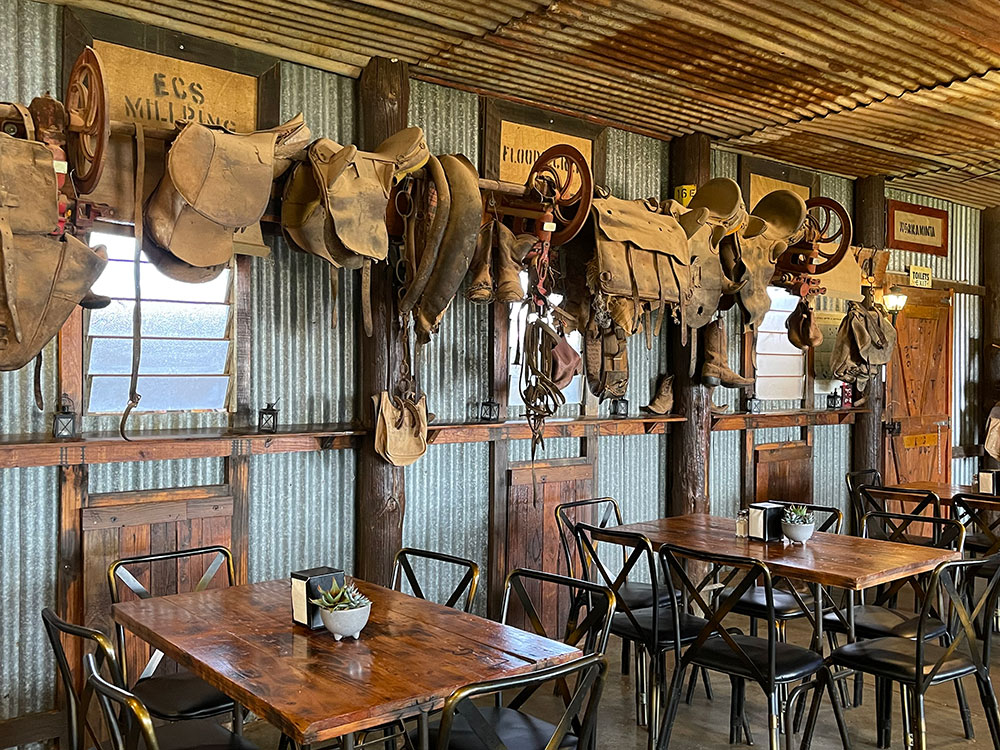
798	514
341	598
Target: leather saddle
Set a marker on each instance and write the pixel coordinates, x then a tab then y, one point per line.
216	183
44	276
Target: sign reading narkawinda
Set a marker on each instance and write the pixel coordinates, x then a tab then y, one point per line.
920	229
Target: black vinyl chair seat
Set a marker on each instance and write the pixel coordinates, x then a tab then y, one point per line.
638	595
623	627
753	603
979	543
180	696
895	658
791	662
199	735
873	621
515	728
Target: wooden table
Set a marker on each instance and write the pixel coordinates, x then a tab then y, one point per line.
836	560
411	656
943	490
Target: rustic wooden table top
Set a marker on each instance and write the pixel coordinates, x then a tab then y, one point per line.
838	560
411	656
943	490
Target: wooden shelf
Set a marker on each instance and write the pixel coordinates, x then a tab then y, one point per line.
106	447
579	427
795	418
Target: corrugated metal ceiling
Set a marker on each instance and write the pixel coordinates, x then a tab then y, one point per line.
854	86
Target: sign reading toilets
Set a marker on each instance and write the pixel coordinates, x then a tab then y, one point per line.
157	90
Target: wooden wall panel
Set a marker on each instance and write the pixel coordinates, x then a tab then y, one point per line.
784	471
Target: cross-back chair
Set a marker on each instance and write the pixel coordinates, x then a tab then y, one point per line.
981	516
876	611
466	724
877	499
918	663
856	480
180	695
651	629
104	658
720	647
129	723
402	569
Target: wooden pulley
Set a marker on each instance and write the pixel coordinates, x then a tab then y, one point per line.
823	241
89	120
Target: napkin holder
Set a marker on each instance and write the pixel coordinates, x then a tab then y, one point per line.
305	587
765	522
989	482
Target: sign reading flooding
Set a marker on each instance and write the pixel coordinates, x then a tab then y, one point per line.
157	90
521	145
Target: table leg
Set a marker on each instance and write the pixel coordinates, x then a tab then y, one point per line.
238	719
818	614
424	730
348	741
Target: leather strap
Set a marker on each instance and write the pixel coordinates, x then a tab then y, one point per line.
334	293
133	389
366	297
29	121
9	270
39	399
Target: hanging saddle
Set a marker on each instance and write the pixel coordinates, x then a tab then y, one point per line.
216	183
44	276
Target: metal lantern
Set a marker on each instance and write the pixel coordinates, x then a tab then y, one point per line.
894	301
619	408
755	405
834	400
489	411
64	420
267	418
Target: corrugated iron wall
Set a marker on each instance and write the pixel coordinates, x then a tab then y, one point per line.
30	59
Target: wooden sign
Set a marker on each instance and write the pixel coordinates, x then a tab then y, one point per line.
921	277
157	90
521	145
916	228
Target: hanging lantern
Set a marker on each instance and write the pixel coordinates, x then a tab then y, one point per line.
64	420
489	411
894	301
619	408
267	418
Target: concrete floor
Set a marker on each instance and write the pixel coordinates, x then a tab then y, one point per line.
705	724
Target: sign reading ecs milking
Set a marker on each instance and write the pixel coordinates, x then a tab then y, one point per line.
918	228
157	91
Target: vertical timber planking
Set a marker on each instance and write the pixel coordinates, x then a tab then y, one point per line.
383	107
990	258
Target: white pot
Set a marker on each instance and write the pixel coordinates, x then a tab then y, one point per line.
798	532
346	622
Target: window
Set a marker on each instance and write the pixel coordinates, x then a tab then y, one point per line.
515	336
186	338
781	366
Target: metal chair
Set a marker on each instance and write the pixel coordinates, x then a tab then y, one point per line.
880	617
177	696
856	480
877	499
466	726
917	663
767	661
467	585
652	629
127	720
981	516
103	658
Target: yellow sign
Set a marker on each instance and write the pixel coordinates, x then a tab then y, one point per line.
926	440
521	145
157	90
920	276
684	193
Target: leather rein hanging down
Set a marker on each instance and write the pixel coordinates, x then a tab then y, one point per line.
133	389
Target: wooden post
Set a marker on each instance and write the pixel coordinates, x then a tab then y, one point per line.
690	164
869	231
990	255
383	102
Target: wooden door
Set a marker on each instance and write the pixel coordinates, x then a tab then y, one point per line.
918	391
784	471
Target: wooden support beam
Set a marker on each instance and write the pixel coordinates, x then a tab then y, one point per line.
690	164
869	229
989	392
383	103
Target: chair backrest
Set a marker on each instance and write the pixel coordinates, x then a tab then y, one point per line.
907	528
579	716
128	571
855	480
599	511
981	516
877	499
639	558
103	658
970	624
591	607
715	603
126	718
466	586
828	519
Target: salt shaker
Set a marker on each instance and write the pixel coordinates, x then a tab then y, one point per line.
742	523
